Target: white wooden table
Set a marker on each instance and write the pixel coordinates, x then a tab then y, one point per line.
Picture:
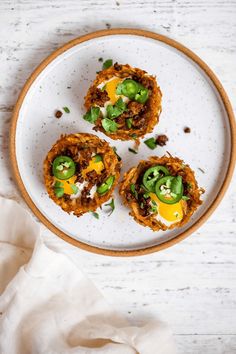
192	285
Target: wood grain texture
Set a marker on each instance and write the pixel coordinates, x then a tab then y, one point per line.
192	285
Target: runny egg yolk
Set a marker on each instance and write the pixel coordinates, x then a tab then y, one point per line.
169	212
93	165
66	184
111	89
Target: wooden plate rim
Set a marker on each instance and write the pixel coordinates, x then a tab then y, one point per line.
188	53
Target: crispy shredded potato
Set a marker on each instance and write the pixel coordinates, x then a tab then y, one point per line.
145	120
176	167
74	145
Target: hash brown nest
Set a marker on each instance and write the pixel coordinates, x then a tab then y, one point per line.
176	167
80	148
145	116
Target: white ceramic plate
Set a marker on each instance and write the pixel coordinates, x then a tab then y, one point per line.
190	98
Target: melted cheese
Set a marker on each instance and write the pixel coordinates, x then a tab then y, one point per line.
66	184
93	166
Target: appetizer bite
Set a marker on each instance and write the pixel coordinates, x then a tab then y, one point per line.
81	172
161	192
123	102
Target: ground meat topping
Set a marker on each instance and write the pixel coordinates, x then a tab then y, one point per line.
117	67
58	114
187	130
135	107
161	140
92	176
99	97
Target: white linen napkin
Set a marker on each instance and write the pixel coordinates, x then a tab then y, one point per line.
48	306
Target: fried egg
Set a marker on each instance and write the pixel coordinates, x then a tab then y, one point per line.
169	214
110	87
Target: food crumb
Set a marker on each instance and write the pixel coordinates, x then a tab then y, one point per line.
187	130
100	59
200	169
58	114
161	140
117	3
136	144
108	25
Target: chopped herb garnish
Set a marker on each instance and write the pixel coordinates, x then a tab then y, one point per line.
132	150
141	205
134	136
151	143
176	185
103	88
92	115
109	125
184	197
115	151
59	192
111	205
107	64
129	122
74	188
66	109
96	215
116	110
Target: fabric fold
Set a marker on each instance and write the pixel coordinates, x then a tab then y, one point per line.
49	306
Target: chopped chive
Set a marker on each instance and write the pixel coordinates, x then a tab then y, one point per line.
74	188
146	195
96	215
129	122
115	151
66	109
59	192
154	209
132	150
151	143
133	190
107	64
134	136
111	205
184	197
97	158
